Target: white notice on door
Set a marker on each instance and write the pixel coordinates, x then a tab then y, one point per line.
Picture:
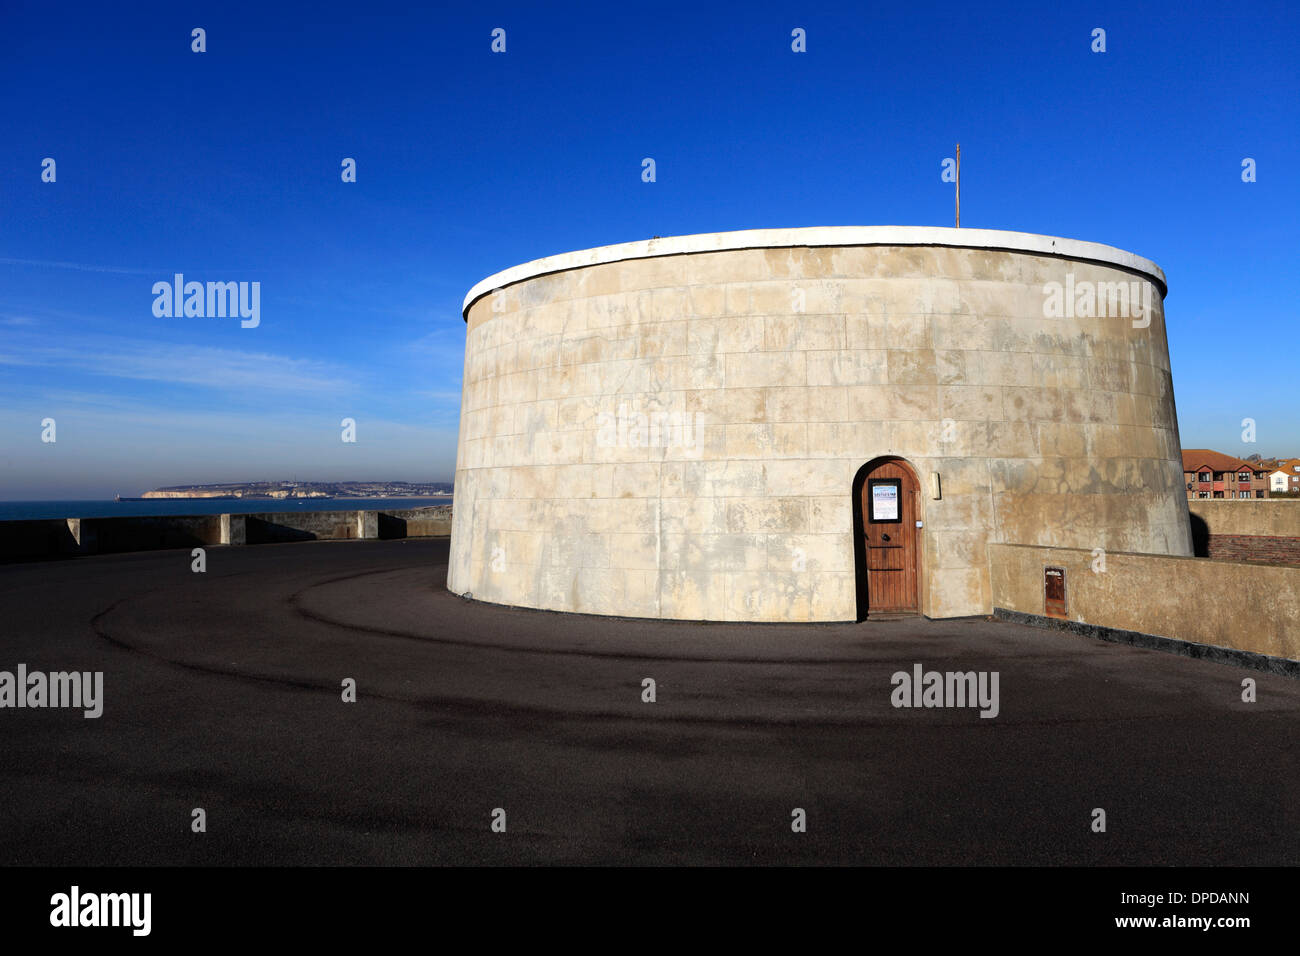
884	502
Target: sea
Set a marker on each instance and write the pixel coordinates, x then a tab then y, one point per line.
36	510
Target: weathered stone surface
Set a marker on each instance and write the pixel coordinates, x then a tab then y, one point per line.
1247	607
793	358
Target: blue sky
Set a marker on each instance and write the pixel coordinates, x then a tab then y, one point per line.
225	166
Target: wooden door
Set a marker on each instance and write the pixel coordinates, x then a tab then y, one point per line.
889	511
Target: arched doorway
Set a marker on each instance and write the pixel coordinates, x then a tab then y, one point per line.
887	540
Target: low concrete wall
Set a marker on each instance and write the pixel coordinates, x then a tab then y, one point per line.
62	537
1265	529
434	521
277	526
233	530
1251	608
28	540
106	535
431	522
1279	517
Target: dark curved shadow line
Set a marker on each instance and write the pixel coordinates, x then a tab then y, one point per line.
294	601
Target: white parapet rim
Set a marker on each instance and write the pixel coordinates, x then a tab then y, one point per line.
817	236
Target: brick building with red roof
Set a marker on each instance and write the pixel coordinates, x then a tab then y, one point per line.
1212	474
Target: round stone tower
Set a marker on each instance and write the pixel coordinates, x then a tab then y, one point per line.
809	424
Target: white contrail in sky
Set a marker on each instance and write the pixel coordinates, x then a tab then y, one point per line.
79	266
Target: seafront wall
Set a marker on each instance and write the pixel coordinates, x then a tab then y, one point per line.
1168	602
1264	529
68	537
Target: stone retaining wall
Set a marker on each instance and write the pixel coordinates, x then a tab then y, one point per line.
1244	607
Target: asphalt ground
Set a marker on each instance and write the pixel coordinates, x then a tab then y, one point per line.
223	691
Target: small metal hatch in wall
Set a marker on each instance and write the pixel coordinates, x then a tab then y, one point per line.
1054	592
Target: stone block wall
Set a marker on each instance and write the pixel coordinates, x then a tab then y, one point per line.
756	382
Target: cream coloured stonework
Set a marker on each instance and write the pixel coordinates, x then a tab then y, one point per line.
796	356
